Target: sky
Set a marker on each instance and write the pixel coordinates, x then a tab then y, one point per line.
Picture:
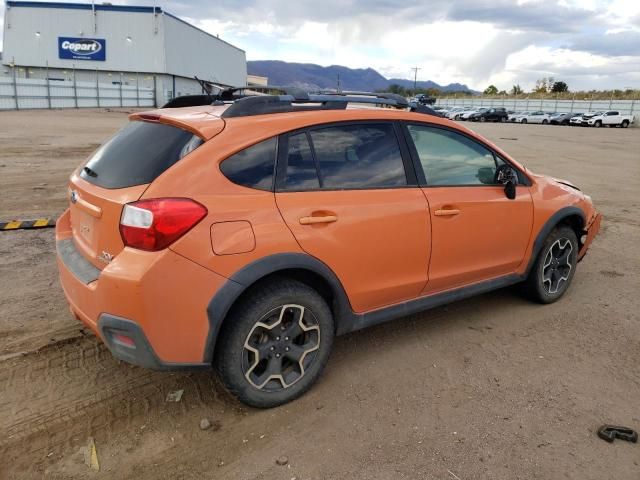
589	44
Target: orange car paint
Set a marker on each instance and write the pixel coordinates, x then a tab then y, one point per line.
386	246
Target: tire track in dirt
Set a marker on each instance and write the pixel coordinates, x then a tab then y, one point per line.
53	399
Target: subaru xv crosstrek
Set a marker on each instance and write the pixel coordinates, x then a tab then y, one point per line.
247	234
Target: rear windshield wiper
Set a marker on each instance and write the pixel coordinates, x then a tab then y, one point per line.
90	172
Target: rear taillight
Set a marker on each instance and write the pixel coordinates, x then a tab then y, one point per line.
155	224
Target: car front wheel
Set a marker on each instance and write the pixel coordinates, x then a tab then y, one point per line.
275	344
554	266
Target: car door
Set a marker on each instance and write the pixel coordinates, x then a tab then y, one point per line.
477	232
612	118
535	117
349	195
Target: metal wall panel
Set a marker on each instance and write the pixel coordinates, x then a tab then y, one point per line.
136	40
190	52
133	43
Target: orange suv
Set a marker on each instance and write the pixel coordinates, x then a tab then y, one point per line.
246	234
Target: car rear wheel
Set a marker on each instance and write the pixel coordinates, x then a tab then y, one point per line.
545	121
624	124
503	120
554	267
524	120
275	344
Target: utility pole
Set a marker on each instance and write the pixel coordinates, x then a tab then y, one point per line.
338	90
415	78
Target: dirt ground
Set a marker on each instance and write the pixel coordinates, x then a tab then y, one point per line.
493	387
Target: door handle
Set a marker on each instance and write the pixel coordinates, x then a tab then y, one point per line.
314	220
446	212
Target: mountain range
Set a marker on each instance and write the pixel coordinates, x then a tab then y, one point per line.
312	77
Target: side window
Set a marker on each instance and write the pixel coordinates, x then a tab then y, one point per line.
358	156
449	158
301	169
252	167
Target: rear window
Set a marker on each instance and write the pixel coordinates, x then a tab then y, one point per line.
138	154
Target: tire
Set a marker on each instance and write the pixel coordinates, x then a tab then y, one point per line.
483	119
624	124
598	124
524	120
292	307
545	121
457	117
554	267
503	120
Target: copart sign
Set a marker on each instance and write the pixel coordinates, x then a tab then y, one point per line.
82	48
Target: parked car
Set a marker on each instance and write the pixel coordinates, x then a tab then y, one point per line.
246	235
517	117
581	120
562	118
467	113
490	115
425	99
536	117
610	119
454	113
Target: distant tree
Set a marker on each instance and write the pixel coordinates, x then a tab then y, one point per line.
399	89
543	85
502	92
559	87
516	90
491	90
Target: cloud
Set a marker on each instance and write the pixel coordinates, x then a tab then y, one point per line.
625	43
595	43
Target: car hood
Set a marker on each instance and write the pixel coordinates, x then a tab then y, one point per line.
565	182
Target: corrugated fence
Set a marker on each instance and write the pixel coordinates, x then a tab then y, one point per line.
23	93
628	107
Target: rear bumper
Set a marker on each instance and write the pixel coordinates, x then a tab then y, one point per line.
128	342
157	299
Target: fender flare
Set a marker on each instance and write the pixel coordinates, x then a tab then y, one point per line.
238	283
546	229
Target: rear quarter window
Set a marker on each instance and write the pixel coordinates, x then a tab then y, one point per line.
252	167
138	154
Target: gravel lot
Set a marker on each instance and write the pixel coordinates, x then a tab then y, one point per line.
491	387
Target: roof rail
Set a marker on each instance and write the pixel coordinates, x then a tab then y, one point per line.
302	101
247	102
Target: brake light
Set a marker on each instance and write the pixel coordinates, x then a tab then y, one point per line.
155	224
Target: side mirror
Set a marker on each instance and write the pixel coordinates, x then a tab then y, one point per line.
510	190
507	176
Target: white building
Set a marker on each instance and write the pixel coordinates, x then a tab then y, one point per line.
115	44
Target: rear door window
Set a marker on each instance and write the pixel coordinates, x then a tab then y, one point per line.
301	173
358	156
138	154
343	157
